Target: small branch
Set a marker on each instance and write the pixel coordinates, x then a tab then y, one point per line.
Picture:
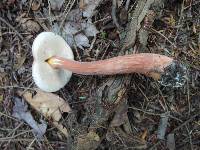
114	7
163	37
185	123
127	4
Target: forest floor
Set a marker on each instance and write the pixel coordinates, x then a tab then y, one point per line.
108	112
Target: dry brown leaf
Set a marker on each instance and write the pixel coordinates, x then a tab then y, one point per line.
49	104
89	141
61	128
144	134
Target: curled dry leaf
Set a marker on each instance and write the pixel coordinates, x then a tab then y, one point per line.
20	111
50	105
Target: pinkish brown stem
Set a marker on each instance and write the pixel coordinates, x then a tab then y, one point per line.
144	63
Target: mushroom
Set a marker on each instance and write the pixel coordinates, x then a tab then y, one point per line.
54	64
46	45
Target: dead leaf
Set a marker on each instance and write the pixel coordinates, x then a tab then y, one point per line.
72	28
20	111
50	105
119	3
28	24
81	41
77	30
89	141
171	142
144	134
75	15
31	26
170	20
120	116
35	5
20	62
82	4
23	1
89	28
61	128
56	4
114	135
89	6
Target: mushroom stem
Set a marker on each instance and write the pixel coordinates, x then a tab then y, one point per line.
144	63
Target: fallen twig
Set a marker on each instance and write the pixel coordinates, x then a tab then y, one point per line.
114	7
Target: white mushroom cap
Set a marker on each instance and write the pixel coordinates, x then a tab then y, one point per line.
46	45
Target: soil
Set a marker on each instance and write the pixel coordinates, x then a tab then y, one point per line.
109	112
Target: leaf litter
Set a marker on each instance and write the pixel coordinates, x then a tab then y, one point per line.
20	111
77	29
89	6
50	105
56	4
183	102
